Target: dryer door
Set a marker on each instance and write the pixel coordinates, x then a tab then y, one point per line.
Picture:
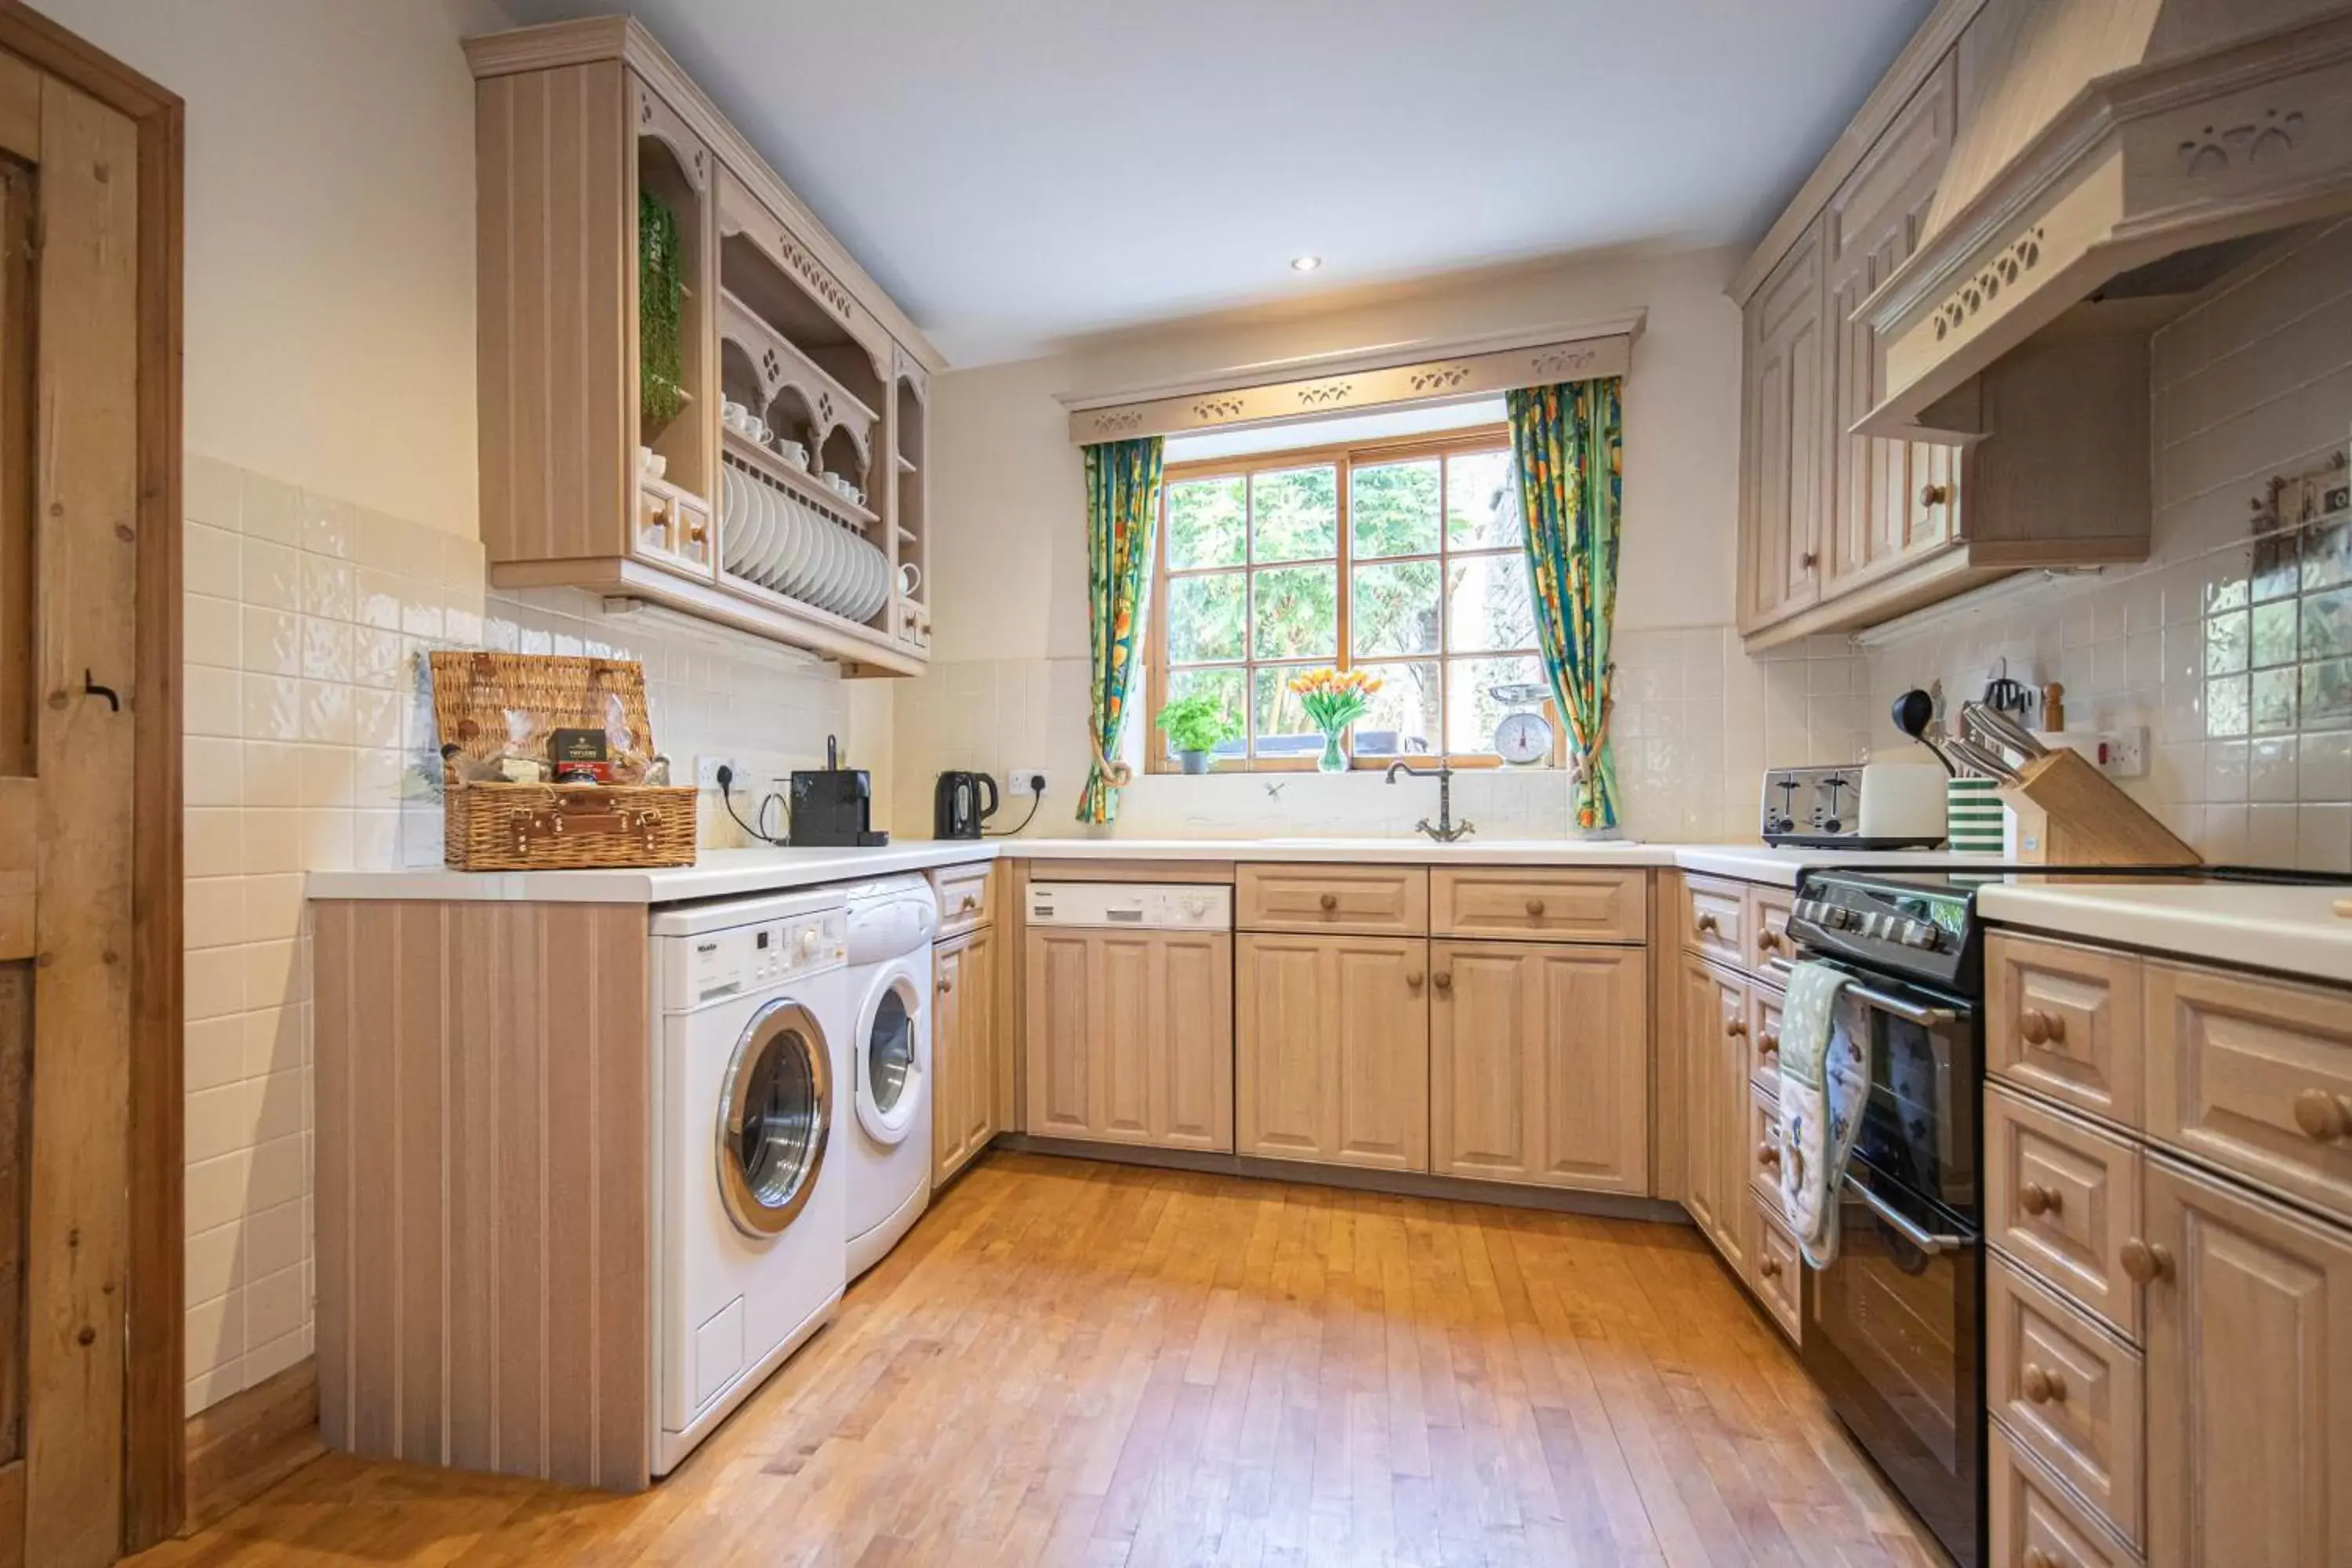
893	1054
775	1113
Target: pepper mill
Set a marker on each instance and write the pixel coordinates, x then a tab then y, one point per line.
2054	707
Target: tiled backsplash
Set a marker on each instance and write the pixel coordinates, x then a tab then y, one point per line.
2233	644
309	747
1697	719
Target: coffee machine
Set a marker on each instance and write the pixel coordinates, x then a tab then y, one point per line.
832	807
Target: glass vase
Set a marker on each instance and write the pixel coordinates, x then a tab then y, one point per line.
1333	760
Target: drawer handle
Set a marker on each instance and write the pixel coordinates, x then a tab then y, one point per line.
2146	1262
1535	909
1412	978
1707	925
1769	1155
2041	1028
1935	495
2324	1117
2037	1200
2044	1387
1329	901
1770	1268
970	903
946	985
1736	1028
1767	942
1443	980
1768	1044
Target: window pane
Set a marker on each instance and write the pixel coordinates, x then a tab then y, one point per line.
1402	719
1204	523
1392	509
1276	720
1487	604
1225	685
1472	710
1296	513
1297	613
1479	515
1205	618
1394	609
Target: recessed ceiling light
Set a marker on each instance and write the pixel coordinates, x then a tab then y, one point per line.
1304	263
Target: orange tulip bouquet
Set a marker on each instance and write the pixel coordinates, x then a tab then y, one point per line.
1334	698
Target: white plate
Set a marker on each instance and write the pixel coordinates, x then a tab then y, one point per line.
782	566
871	568
731	518
751	527
770	566
831	563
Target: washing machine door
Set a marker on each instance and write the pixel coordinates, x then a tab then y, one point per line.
775	1113
893	1054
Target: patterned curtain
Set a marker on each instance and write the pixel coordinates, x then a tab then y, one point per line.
1570	466
1122	510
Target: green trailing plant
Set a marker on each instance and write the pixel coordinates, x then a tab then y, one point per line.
1197	723
661	302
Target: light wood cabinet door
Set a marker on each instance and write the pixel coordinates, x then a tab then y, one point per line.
1131	1036
2068	1390
1331	1049
2062	1197
1785	438
1894	501
2249	1380
2035	1522
963	1050
1715	1093
1775	1268
1538	1064
2065	1021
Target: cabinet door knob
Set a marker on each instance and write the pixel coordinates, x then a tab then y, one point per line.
2036	1199
1443	980
2043	1387
1737	1028
1535	909
1935	495
946	985
2041	1028
1412	978
1768	940
1768	1044
1329	901
1706	923
2145	1262
2323	1116
1809	560
1770	1268
970	903
1769	1154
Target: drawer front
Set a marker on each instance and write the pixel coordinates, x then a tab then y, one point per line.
2255	1075
1715	917
2065	1022
1764	1146
966	898
1764	1038
2069	1392
2034	1523
1568	906
1769	947
1776	1271
1364	901
2062	1197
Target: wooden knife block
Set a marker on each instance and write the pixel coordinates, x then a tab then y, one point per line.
2070	813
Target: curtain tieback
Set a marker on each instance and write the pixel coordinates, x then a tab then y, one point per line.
1119	775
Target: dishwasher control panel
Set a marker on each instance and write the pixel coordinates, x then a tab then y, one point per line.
1142	906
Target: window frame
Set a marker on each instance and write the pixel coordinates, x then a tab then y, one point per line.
1345	458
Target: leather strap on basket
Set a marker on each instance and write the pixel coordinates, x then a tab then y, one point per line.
569	815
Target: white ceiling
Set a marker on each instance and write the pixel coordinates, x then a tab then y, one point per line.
1024	171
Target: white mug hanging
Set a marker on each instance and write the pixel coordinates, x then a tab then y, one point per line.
911	578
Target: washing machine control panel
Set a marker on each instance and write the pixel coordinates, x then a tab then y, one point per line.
735	962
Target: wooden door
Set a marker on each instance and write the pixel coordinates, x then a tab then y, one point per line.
1893	500
1332	1049
975	994
1190	1028
1131	1036
1538	1064
2248	1379
1058	1053
950	1071
1784	439
1714	1091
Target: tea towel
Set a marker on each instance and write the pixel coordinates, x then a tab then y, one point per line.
1820	1107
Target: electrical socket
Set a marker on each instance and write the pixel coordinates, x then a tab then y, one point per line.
2122	753
1020	783
706	771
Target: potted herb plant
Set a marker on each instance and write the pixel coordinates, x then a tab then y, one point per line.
1196	726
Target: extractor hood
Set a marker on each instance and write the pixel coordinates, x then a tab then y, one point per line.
2108	149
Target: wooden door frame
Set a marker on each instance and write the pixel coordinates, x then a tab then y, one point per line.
155	1420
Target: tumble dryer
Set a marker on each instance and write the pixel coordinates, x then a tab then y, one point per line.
891	922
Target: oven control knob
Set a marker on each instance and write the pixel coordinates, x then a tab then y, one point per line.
1921	934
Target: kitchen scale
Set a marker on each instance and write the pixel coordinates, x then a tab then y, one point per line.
1523	737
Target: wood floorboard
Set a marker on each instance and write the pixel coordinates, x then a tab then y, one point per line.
1089	1365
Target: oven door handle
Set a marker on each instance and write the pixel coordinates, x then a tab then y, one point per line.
1925	1241
1925	1017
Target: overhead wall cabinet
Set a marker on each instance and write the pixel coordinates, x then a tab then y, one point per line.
605	472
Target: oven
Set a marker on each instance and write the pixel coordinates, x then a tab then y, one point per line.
1893	1330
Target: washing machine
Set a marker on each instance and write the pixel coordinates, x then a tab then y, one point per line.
748	1202
889	1138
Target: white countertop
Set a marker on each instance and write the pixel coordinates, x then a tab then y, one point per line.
722	873
2291	931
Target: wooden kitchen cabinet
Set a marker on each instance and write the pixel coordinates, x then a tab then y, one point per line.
1129	1036
963	1050
1332	1049
1715	1103
2248	1379
1539	1064
1785	437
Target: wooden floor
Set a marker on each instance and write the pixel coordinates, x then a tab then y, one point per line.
1086	1364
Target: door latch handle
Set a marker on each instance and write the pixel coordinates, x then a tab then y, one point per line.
91	687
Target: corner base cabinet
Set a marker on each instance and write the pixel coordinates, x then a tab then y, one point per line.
1129	1036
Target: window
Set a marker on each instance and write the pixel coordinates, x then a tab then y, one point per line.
1402	558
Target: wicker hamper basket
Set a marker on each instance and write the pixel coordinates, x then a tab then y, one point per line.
486	704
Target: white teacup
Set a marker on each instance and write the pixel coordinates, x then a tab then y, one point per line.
793	452
911	578
734	415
